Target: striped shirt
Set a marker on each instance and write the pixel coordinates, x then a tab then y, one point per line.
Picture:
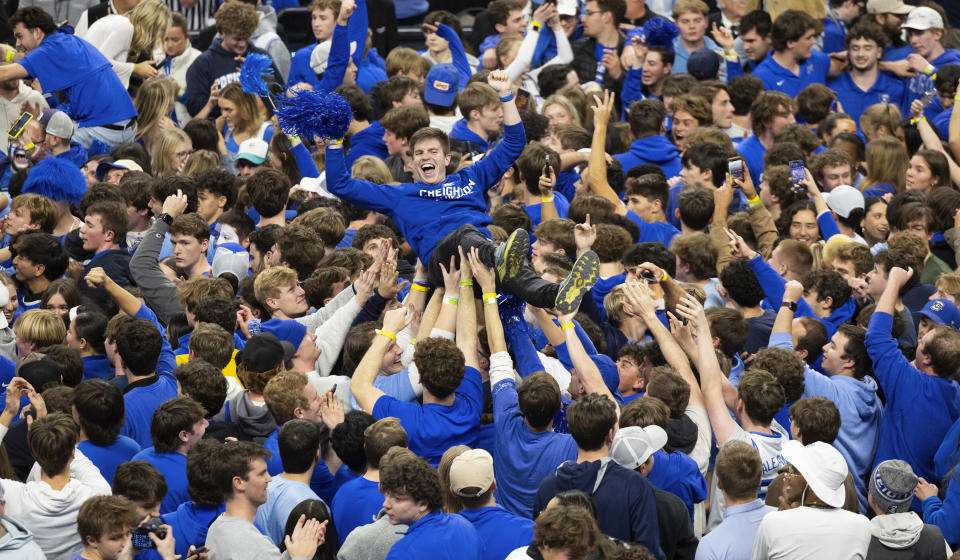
199	16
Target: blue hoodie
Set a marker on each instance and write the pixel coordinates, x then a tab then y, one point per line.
657	150
860	415
626	506
500	531
18	542
947	455
190	523
426	213
461	131
367	142
77	154
945	513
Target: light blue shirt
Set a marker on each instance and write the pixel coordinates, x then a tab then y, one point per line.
733	538
282	496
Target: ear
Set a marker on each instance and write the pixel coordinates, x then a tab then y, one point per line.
472	117
716	342
499	27
221	201
676	213
827	302
204	244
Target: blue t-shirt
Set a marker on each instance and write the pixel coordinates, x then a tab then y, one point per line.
356	503
438	536
140	400
321	482
855	100
500	531
66	63
812	71
108	457
434	428
173	467
661	232
752	151
282	496
559	201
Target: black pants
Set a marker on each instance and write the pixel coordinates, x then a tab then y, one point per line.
527	285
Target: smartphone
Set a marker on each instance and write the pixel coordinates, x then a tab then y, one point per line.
928	97
550	2
18	126
798	175
523	100
735	168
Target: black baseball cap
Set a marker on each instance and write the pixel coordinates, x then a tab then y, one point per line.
264	351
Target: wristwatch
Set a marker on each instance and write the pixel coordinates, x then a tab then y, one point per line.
167	218
791	305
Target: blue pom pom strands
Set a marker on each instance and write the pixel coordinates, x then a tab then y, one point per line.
310	114
658	32
254	72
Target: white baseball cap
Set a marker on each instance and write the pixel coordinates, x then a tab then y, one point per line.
844	199
567	7
633	445
320	54
923	18
822	466
887	7
253	150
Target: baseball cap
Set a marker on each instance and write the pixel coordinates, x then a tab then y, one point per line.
125	164
703	64
843	199
471	469
887	7
56	123
441	84
942	312
253	150
923	18
892	484
321	53
567	7
286	330
822	466
264	351
633	445
233	262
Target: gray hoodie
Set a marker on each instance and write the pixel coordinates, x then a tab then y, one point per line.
265	37
18	542
904	535
372	541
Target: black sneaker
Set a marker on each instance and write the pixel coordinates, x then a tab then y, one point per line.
584	275
510	255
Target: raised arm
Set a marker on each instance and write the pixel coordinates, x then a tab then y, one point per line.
361	385
127	302
931	140
339	57
467	316
158	291
491	313
590	376
457	53
598	165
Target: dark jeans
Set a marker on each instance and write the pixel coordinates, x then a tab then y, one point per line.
527	285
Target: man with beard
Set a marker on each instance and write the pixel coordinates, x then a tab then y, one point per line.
863	84
793	64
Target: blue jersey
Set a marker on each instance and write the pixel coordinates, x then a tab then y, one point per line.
855	100
812	71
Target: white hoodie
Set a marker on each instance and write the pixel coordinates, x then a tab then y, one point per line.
51	515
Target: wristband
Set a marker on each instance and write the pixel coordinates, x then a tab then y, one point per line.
451	300
9	56
466	283
419	287
509	97
929	69
755	201
566	326
389	335
791	305
490	298
535	25
546	199
30	146
335	141
413	341
731	56
917	120
665	276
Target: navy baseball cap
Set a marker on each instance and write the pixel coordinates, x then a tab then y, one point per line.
441	85
703	64
942	312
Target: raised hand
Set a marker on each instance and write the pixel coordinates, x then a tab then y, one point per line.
97	277
331	409
175	204
346	10
584	235
395	320
723	37
500	81
547	180
792	291
611	61
898	276
602	109
739	247
690	309
483	274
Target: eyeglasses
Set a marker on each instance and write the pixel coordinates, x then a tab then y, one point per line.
184	154
626	363
591	12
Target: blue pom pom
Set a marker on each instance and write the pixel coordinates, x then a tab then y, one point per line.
57	179
98	147
254	72
658	32
315	113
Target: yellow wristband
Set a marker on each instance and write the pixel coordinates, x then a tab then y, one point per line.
419	288
389	335
956	97
754	201
450	300
413	341
29	146
917	120
489	298
9	57
546	199
566	326
665	276
466	283
929	69
535	25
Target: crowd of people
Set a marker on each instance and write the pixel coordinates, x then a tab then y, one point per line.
603	279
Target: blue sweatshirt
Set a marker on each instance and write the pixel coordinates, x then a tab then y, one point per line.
657	150
461	131
173	467
920	408
948	455
500	531
678	474
438	536
946	513
97	367
860	414
752	151
108	457
426	213
190	523
367	142
337	62
140	400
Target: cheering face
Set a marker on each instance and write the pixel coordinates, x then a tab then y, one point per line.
27	39
864	54
429	161
803	227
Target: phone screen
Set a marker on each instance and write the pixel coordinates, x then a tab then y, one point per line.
928	97
523	100
735	167
18	126
797	174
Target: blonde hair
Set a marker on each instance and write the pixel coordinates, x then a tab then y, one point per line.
269	282
201	161
565	104
887	162
40	328
249	115
949	283
503	49
150	19
613	303
164	149
886	115
154	101
451	503
369	168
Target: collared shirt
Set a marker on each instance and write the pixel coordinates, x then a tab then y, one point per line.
811	71
855	100
734	537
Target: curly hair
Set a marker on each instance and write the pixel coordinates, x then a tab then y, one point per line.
827	283
284	394
236	18
441	365
741	284
569	528
347	439
786	366
402	472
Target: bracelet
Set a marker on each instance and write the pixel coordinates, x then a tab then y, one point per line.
930	69
956	97
9	57
419	287
665	276
535	25
546	199
389	335
755	201
336	141
917	120
490	298
413	341
466	283
507	98
566	326
451	300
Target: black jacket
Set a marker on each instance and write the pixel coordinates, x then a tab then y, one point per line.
585	64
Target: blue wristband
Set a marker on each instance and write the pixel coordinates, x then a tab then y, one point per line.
507	98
